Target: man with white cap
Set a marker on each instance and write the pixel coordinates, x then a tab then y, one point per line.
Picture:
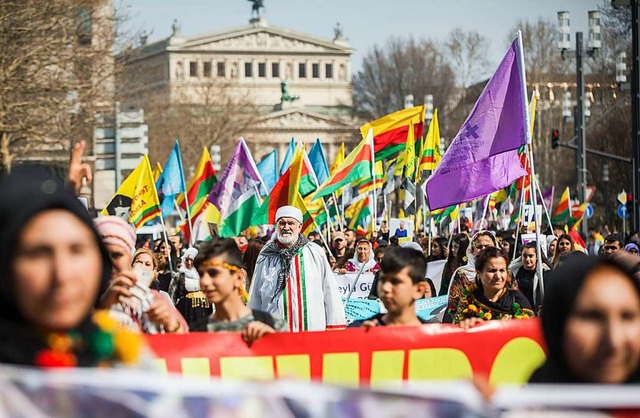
293	279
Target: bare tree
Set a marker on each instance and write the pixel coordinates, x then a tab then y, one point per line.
56	72
467	53
401	67
210	112
541	56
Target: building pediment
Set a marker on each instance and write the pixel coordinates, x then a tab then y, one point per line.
299	119
259	39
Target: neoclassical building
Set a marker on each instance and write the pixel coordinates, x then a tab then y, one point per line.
263	63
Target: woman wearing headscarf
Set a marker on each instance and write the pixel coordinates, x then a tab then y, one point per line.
465	275
525	271
591	323
190	300
364	258
54	269
492	295
632	248
132	297
552	242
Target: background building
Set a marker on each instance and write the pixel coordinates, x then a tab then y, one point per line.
212	88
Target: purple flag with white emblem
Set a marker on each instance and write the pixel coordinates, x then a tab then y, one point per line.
236	194
483	157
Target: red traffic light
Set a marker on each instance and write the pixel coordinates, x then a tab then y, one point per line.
555	132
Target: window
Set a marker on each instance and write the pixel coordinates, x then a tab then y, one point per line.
130	156
275	69
248	69
315	70
221	70
206	69
328	71
302	70
193	69
83	16
262	69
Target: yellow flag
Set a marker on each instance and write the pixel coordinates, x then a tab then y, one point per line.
157	170
338	160
532	110
430	154
410	153
399	169
455	213
136	198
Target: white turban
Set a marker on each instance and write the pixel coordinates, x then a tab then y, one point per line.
289	212
190	253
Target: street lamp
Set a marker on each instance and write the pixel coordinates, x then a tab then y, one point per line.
215	157
408	101
428	102
594	43
566	107
621	71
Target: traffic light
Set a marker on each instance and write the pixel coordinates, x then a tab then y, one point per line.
555	138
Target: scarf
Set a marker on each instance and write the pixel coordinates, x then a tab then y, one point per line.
285	254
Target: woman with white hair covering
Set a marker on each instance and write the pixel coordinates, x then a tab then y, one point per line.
190	300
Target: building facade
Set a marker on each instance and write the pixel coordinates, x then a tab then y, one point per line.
300	85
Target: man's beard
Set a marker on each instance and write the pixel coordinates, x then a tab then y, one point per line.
287	239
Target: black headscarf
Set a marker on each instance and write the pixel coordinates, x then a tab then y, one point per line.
564	284
26	192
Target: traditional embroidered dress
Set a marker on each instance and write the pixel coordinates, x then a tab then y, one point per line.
513	304
308	297
462	278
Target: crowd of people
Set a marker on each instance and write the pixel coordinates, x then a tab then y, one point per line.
78	291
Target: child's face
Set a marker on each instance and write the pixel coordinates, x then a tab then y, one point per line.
398	292
219	282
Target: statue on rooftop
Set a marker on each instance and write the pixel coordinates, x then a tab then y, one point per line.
255	8
175	28
285	96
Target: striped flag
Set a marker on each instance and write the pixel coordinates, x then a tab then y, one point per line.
136	200
390	131
430	154
563	210
358	165
200	185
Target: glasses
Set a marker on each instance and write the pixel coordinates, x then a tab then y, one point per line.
338	239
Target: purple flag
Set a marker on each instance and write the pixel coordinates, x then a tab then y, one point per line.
483	157
547	198
239	180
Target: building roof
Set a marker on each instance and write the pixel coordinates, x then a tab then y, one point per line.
258	38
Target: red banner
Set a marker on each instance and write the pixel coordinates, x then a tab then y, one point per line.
503	351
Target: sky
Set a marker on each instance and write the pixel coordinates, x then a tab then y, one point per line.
365	22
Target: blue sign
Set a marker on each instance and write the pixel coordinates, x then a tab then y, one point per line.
623	212
588	213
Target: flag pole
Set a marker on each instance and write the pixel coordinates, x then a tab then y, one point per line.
520	209
166	242
529	151
373	175
484	211
544	206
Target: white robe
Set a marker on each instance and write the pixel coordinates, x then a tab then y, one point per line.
311	299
